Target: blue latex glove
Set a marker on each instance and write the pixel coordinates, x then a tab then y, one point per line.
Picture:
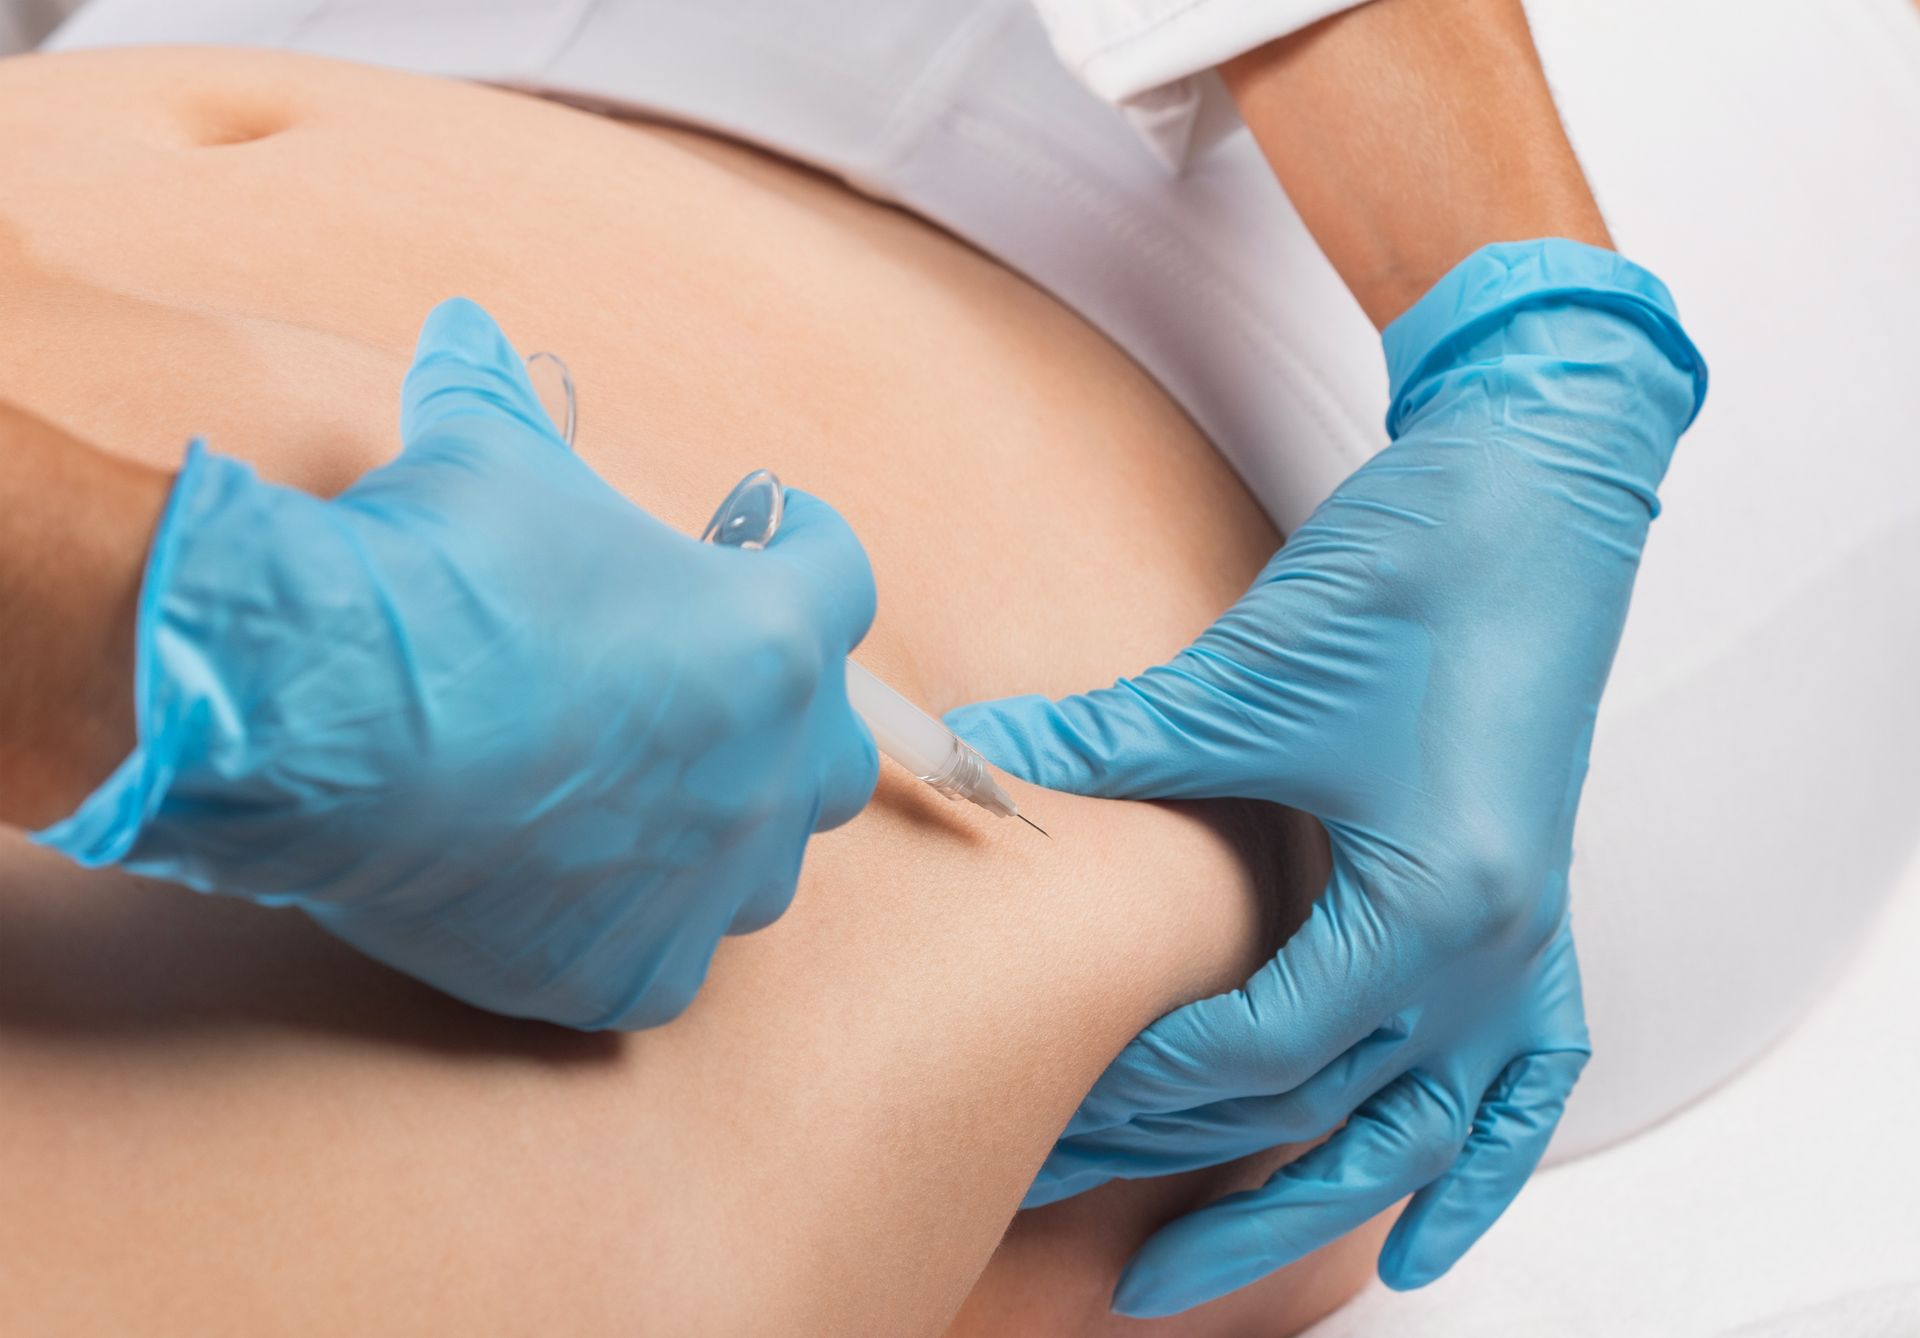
1419	668
481	716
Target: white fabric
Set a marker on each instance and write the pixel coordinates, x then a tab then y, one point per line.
24	22
1756	769
1123	48
1883	1312
1153	58
1785	1205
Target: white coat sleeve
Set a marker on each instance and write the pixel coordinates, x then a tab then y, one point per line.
1155	59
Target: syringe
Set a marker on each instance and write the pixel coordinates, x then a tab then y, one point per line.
748	518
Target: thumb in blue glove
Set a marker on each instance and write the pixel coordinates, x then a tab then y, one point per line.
482	717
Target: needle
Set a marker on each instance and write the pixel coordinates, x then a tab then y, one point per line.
1031	823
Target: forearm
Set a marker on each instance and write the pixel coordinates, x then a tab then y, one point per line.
1409	133
75	523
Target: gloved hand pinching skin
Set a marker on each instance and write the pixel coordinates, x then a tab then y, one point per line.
1419	668
482	717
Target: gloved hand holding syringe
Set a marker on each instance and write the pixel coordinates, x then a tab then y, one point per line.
420	712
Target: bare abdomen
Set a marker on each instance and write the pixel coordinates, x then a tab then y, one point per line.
241	245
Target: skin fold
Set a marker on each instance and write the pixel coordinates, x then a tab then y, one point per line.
230	1123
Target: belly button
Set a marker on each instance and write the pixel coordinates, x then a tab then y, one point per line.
226	124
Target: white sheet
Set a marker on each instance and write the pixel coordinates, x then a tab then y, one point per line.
1785	1205
24	22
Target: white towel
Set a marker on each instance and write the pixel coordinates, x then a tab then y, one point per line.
1883	1312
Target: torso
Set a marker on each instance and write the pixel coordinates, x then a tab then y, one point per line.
241	246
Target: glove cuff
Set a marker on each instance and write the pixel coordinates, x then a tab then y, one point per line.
208	658
1484	294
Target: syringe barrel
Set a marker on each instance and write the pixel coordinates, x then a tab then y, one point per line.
922	744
